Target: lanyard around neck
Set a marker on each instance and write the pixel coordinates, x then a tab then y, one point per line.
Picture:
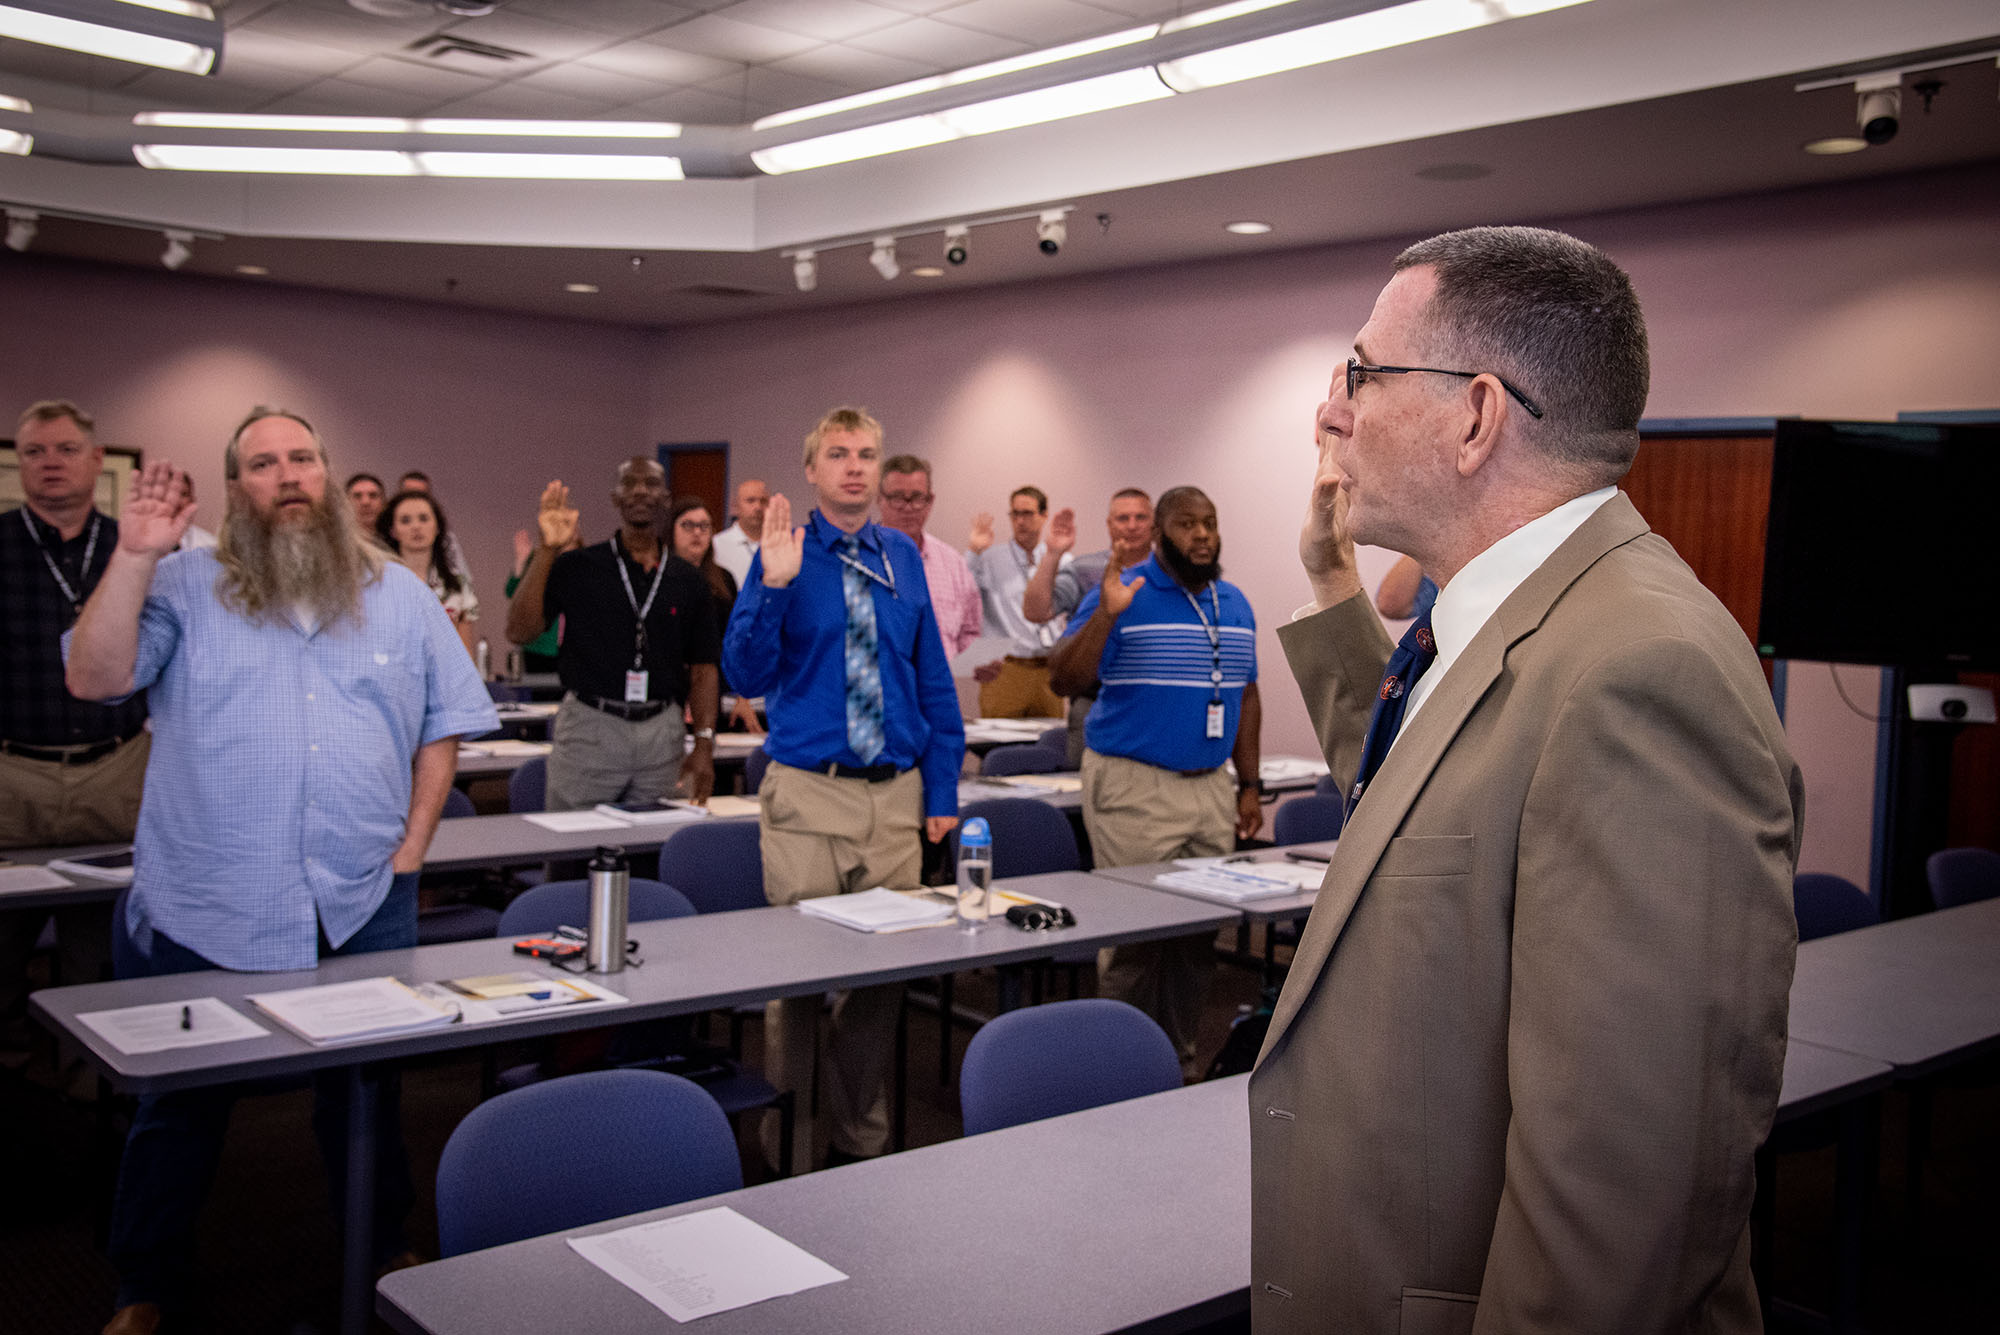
851	563
89	550
639	610
1214	632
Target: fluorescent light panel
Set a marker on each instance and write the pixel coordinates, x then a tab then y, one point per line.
109	40
205	120
388	162
16	143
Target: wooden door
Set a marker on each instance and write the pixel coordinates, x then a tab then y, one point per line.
700	470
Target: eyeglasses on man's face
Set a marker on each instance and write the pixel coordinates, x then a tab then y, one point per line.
1358	372
907	499
63	449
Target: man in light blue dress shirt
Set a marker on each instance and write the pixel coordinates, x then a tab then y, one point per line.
308	696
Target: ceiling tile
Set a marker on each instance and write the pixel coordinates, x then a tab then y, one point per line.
690	106
512	99
537	37
1153	9
647	60
856	70
334	97
595	85
35	61
939	46
613	18
408	76
346	29
766	90
828	20
1037	22
918	6
172	90
745	43
254	47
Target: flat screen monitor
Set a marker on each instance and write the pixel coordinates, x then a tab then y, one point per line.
1884	545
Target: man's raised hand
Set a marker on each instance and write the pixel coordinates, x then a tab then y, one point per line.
782	547
157	512
557	518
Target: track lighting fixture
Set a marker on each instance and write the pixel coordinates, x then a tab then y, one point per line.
1053	231
805	270
883	257
958	243
180	248
21	225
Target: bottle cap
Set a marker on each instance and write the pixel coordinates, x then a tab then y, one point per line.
975	833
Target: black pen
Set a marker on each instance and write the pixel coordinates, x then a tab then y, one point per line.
187	1017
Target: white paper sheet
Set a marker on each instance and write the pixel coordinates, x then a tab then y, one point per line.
723	804
506	747
363	1008
572	822
694	1265
31	878
877	910
157	1027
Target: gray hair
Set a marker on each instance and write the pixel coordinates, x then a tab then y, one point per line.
1554	316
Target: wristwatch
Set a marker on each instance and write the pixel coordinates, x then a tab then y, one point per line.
704	734
1250	786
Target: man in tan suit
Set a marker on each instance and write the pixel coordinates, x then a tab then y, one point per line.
1535	1028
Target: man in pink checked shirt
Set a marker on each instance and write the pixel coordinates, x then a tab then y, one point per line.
906	505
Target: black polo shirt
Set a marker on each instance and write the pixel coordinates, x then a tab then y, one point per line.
36	709
599	628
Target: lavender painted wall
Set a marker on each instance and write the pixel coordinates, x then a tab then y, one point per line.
1842	301
491	406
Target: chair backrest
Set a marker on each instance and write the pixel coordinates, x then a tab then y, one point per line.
1029	836
1055	739
543	908
458	803
1021	758
717	864
1327	785
1305	818
1827	904
1043	1061
754	766
528	786
577	1150
1962	876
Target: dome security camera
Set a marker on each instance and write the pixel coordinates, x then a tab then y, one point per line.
957	245
1053	232
1879	114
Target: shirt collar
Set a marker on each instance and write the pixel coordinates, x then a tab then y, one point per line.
1470	600
829	535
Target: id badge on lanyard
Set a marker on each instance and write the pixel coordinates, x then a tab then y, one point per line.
638	678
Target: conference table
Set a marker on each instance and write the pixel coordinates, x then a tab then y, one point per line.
1134	1215
707	962
1269	910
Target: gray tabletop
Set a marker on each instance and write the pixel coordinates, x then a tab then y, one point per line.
1131	1213
1278	908
80	890
1919	993
1817	1078
707	962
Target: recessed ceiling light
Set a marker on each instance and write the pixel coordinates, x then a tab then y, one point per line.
1247	227
584	288
252	270
928	271
1840	143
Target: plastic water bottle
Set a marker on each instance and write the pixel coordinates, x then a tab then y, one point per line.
483	659
975	874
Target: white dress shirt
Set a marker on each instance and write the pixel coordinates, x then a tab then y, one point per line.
733	550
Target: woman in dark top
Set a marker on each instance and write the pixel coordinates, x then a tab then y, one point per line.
692	532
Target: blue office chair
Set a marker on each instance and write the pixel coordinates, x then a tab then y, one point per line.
1021	758
717	864
578	1150
528	786
543	908
1328	786
1826	904
1306	818
1962	876
1043	1061
457	802
754	766
1029	836
1055	740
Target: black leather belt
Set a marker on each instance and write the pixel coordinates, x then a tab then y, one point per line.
872	773
1197	773
631	713
83	753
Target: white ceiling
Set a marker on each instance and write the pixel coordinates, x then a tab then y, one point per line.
1618	103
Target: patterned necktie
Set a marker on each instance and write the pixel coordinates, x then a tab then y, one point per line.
864	669
1413	657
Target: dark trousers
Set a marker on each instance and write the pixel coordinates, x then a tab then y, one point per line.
176	1139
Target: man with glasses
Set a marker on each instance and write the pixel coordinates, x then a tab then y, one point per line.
906	507
70	770
1059	583
1019	688
1534	1030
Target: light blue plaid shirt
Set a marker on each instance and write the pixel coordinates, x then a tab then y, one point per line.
279	784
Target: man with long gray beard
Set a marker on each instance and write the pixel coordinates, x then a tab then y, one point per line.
307	699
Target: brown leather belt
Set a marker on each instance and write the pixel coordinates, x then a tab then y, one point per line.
1029	662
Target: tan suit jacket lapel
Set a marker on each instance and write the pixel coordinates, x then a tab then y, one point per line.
1418	752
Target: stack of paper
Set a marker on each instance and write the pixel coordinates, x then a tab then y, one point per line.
348	1012
1042	783
1289	769
1226	884
498	995
879	910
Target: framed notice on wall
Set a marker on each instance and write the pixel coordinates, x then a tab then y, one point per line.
121	465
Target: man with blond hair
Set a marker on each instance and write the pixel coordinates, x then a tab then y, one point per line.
308	696
835	630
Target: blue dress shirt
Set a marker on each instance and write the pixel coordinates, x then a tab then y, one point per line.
279	784
789	645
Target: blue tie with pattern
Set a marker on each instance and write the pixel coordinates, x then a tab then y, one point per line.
1413	657
864	669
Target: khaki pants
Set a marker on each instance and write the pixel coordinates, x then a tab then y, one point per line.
1134	813
1020	691
828	836
599	757
46	805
